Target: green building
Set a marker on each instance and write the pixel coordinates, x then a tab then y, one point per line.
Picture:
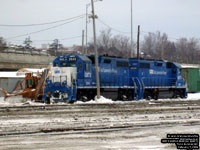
191	74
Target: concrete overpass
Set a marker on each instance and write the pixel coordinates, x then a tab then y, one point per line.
14	61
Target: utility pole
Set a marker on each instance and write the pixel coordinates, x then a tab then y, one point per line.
138	43
96	53
131	29
83	41
86	26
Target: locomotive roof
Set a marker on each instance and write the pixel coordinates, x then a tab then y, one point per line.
84	58
148	59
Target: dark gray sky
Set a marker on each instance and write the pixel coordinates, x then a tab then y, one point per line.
178	18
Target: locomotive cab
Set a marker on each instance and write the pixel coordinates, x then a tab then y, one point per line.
67	73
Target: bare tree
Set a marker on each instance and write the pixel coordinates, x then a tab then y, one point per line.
157	45
108	44
122	43
104	39
2	43
193	47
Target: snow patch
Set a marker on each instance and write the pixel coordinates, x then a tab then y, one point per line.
10	75
193	96
16	101
12	101
101	100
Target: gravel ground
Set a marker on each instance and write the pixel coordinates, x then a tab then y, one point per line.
89	126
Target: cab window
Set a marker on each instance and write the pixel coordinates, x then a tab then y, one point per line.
63	64
79	66
72	64
87	67
55	64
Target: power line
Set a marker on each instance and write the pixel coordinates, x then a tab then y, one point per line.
40	24
43	29
112	27
63	39
75	37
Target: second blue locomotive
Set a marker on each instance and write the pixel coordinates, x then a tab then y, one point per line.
73	77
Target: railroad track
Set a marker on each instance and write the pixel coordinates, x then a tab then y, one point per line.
86	130
187	113
136	104
48	110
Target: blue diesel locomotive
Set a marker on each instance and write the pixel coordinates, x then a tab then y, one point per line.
73	77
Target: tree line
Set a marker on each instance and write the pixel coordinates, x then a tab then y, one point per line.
154	45
2	43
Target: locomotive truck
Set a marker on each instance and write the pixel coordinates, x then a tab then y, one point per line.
73	77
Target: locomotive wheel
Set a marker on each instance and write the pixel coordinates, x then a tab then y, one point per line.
83	98
129	95
120	96
47	100
71	102
148	98
177	94
155	95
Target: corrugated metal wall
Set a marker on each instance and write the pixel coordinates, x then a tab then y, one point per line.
9	84
192	77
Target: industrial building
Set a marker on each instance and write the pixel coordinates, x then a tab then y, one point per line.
191	74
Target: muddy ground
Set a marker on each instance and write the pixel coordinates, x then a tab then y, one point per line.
112	126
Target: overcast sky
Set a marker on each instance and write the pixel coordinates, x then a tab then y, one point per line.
177	18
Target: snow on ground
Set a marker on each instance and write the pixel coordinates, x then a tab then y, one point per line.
193	96
20	101
100	101
11	75
11	101
31	70
16	101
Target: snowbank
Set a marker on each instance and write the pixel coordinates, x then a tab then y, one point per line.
34	70
103	100
193	96
16	101
190	66
97	101
12	101
11	75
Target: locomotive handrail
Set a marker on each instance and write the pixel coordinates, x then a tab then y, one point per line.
142	84
140	89
135	86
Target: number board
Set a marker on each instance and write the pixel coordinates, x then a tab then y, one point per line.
72	59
